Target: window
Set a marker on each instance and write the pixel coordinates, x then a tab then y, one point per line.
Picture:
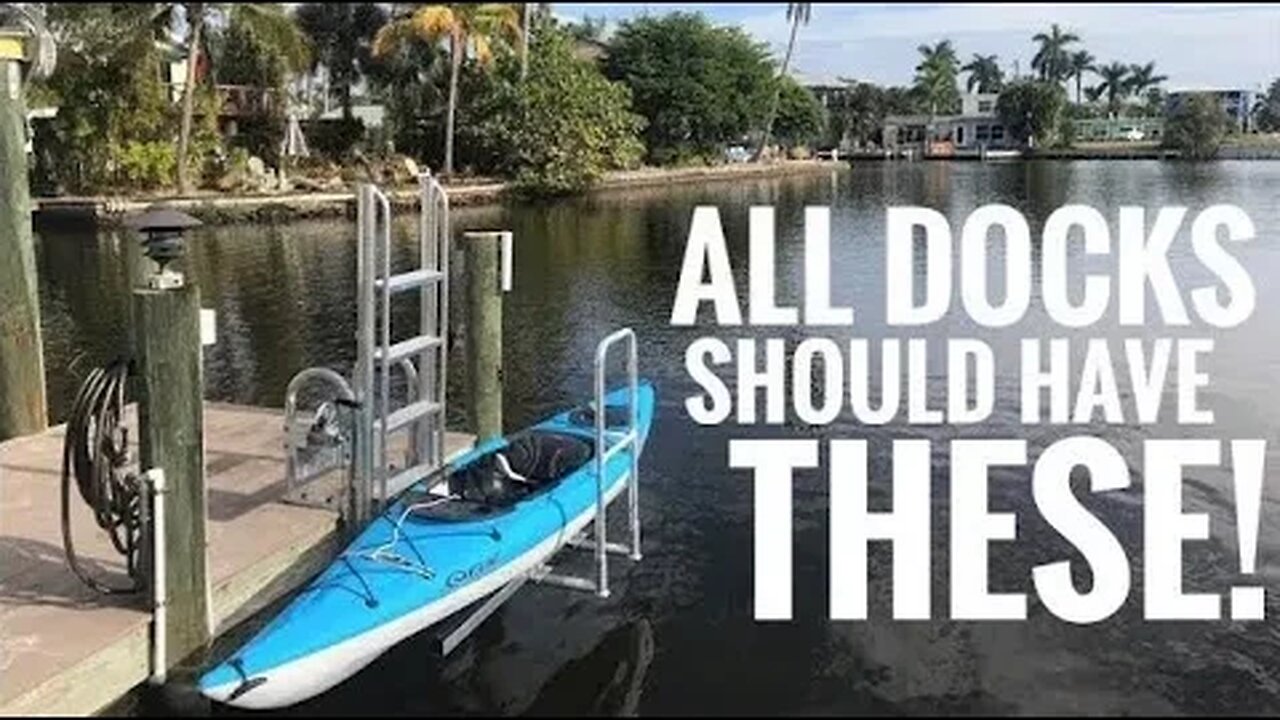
997	132
984	106
983	133
960	135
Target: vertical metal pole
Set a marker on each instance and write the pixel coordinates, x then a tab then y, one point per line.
365	313
633	487
602	562
384	245
444	240
424	432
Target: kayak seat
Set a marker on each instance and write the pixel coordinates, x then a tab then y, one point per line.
531	461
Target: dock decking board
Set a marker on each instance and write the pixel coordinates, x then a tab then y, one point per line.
67	650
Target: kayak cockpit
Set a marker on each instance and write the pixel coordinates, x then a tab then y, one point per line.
532	462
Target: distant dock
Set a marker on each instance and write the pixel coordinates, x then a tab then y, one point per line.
65	650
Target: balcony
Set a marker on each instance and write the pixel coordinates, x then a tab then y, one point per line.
236	101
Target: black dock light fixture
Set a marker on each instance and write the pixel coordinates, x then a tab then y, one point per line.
163	231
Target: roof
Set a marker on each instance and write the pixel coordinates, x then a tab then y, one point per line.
936	119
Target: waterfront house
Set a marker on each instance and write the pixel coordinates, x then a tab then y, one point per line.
971	133
1237	103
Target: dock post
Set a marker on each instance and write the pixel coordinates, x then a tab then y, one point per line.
168	352
484	333
22	392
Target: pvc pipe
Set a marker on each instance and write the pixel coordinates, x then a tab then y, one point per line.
159	662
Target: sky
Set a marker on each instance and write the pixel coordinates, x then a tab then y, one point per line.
1196	45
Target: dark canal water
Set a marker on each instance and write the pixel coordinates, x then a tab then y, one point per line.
678	635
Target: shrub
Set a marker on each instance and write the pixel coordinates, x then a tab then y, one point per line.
1196	127
335	139
146	165
559	130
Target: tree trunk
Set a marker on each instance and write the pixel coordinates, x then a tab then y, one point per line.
524	42
346	100
777	91
195	16
1079	77
455	66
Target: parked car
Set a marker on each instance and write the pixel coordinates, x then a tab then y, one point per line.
737	154
1132	134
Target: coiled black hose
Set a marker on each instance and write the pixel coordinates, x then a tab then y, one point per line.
95	452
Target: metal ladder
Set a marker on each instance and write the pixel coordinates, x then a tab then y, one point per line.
422	357
353	429
629	438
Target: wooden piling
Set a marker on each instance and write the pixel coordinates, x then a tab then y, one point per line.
484	333
171	436
22	392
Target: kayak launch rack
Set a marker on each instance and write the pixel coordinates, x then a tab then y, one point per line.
628	438
359	440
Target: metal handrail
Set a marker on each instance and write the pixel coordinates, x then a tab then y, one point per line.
604	451
293	477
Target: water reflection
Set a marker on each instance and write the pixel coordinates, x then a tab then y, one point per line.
586	266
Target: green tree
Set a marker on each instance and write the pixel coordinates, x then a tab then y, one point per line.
1267	110
1197	126
984	74
341	36
1143	78
697	85
269	23
936	78
858	112
1079	63
111	99
1115	84
1052	59
561	127
410	80
801	118
1033	112
797	14
468	27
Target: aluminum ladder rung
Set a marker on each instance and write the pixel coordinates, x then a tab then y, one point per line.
409	280
408	477
407	414
582	543
407	348
544	576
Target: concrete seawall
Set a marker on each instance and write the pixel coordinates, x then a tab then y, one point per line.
218	208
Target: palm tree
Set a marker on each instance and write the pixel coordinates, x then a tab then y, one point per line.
528	13
1051	59
468	26
1115	84
266	20
797	13
341	36
984	73
1080	62
936	76
1144	77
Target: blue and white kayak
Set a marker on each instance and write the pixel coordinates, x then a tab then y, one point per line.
506	508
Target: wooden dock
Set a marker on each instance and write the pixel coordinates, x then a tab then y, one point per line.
66	650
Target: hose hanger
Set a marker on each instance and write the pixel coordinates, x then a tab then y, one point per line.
95	453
